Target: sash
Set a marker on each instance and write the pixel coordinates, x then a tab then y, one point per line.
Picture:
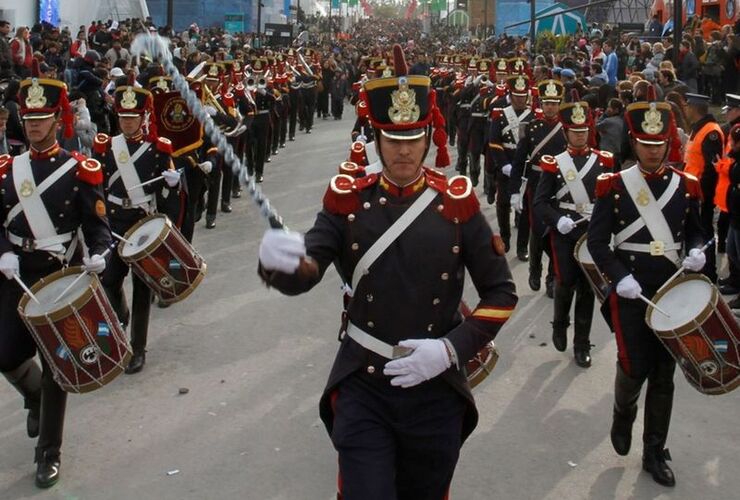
126	167
514	122
574	178
651	213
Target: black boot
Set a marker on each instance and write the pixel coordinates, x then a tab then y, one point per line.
210	221
474	162
47	468
626	394
118	301
226	208
27	380
658	406
561	316
583	314
141	303
137	363
550	286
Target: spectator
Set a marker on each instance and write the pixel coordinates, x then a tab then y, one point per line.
53	58
4	115
610	127
612	63
117	52
14	131
654	27
338	94
599	76
21	52
5	56
713	68
688	68
667	80
79	47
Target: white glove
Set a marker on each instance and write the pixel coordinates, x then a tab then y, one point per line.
9	265
210	110
695	260
506	170
94	264
428	360
281	250
628	287
261	90
565	225
171	177
206	167
516	202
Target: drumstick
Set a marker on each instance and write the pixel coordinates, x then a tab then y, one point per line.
654	305
78	278
119	237
681	268
151	181
582	219
25	288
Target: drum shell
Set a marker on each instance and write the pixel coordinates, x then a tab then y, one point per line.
154	263
599	283
484	361
94	309
694	345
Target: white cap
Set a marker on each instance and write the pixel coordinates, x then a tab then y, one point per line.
116	72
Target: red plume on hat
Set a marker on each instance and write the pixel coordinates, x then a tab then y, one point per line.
574	96
399	61
35	68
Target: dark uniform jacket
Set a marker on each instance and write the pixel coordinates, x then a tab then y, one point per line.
503	138
414	288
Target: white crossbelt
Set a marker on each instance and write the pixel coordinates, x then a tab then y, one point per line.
513	122
126	168
507	145
546	139
137	154
373	344
638	224
574	185
651	214
29	198
478	115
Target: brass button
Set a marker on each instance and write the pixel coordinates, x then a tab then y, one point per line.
351	217
445	276
355	246
430	327
382	200
436	301
632	257
370	324
440	207
456	249
369	297
371	369
616	196
366	205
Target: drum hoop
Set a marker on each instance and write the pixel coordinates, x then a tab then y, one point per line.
477	376
55	316
581	241
692	324
182	296
147	250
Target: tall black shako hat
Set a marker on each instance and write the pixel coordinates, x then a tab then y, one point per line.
404	107
650	122
132	101
41	98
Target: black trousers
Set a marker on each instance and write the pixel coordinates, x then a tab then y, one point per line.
308	98
295	105
16	346
394	443
337	107
259	145
322	103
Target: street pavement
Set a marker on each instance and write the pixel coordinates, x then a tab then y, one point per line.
255	362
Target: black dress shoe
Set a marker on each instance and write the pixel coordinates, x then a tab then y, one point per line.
728	289
560	337
507	245
226	208
291	139
550	289
260	179
654	462
582	357
282	144
136	364
47	471
268	160
236	193
535	282
522	255
210	221
308	131
490	198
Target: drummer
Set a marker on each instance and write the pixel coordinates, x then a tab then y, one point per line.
40	237
652	211
564	201
130	159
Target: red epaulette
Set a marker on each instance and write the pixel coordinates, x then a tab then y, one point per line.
605	183
342	196
496	113
693	186
548	163
239	90
606	158
436	179
460	202
101	143
164	145
88	169
6	161
351	168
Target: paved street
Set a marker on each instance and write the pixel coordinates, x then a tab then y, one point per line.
255	363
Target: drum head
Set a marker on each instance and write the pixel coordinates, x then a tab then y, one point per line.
50	291
583	255
684	302
143	236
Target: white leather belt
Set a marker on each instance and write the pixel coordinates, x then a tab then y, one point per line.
650	247
536	168
31	244
263	111
142	202
478	115
581	208
377	346
466	106
506	145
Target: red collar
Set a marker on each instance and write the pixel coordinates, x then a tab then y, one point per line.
137	139
653	175
53	150
579	152
401	191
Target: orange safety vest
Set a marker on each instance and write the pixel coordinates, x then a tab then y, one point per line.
694	158
723	179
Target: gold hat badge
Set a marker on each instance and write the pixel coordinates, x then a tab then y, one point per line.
653	122
35	98
162	84
404	108
578	117
520	84
551	90
213	70
128	99
502	64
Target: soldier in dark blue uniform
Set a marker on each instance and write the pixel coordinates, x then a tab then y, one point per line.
308	97
130	159
465	97
506	125
478	120
404	344
40	237
542	136
264	102
631	207
564	201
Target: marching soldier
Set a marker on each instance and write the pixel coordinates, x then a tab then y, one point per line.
542	136
294	94
390	367
46	195
704	148
128	160
651	210
264	102
478	120
505	130
467	94
308	97
564	200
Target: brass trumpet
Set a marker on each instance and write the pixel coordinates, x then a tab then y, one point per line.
211	99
